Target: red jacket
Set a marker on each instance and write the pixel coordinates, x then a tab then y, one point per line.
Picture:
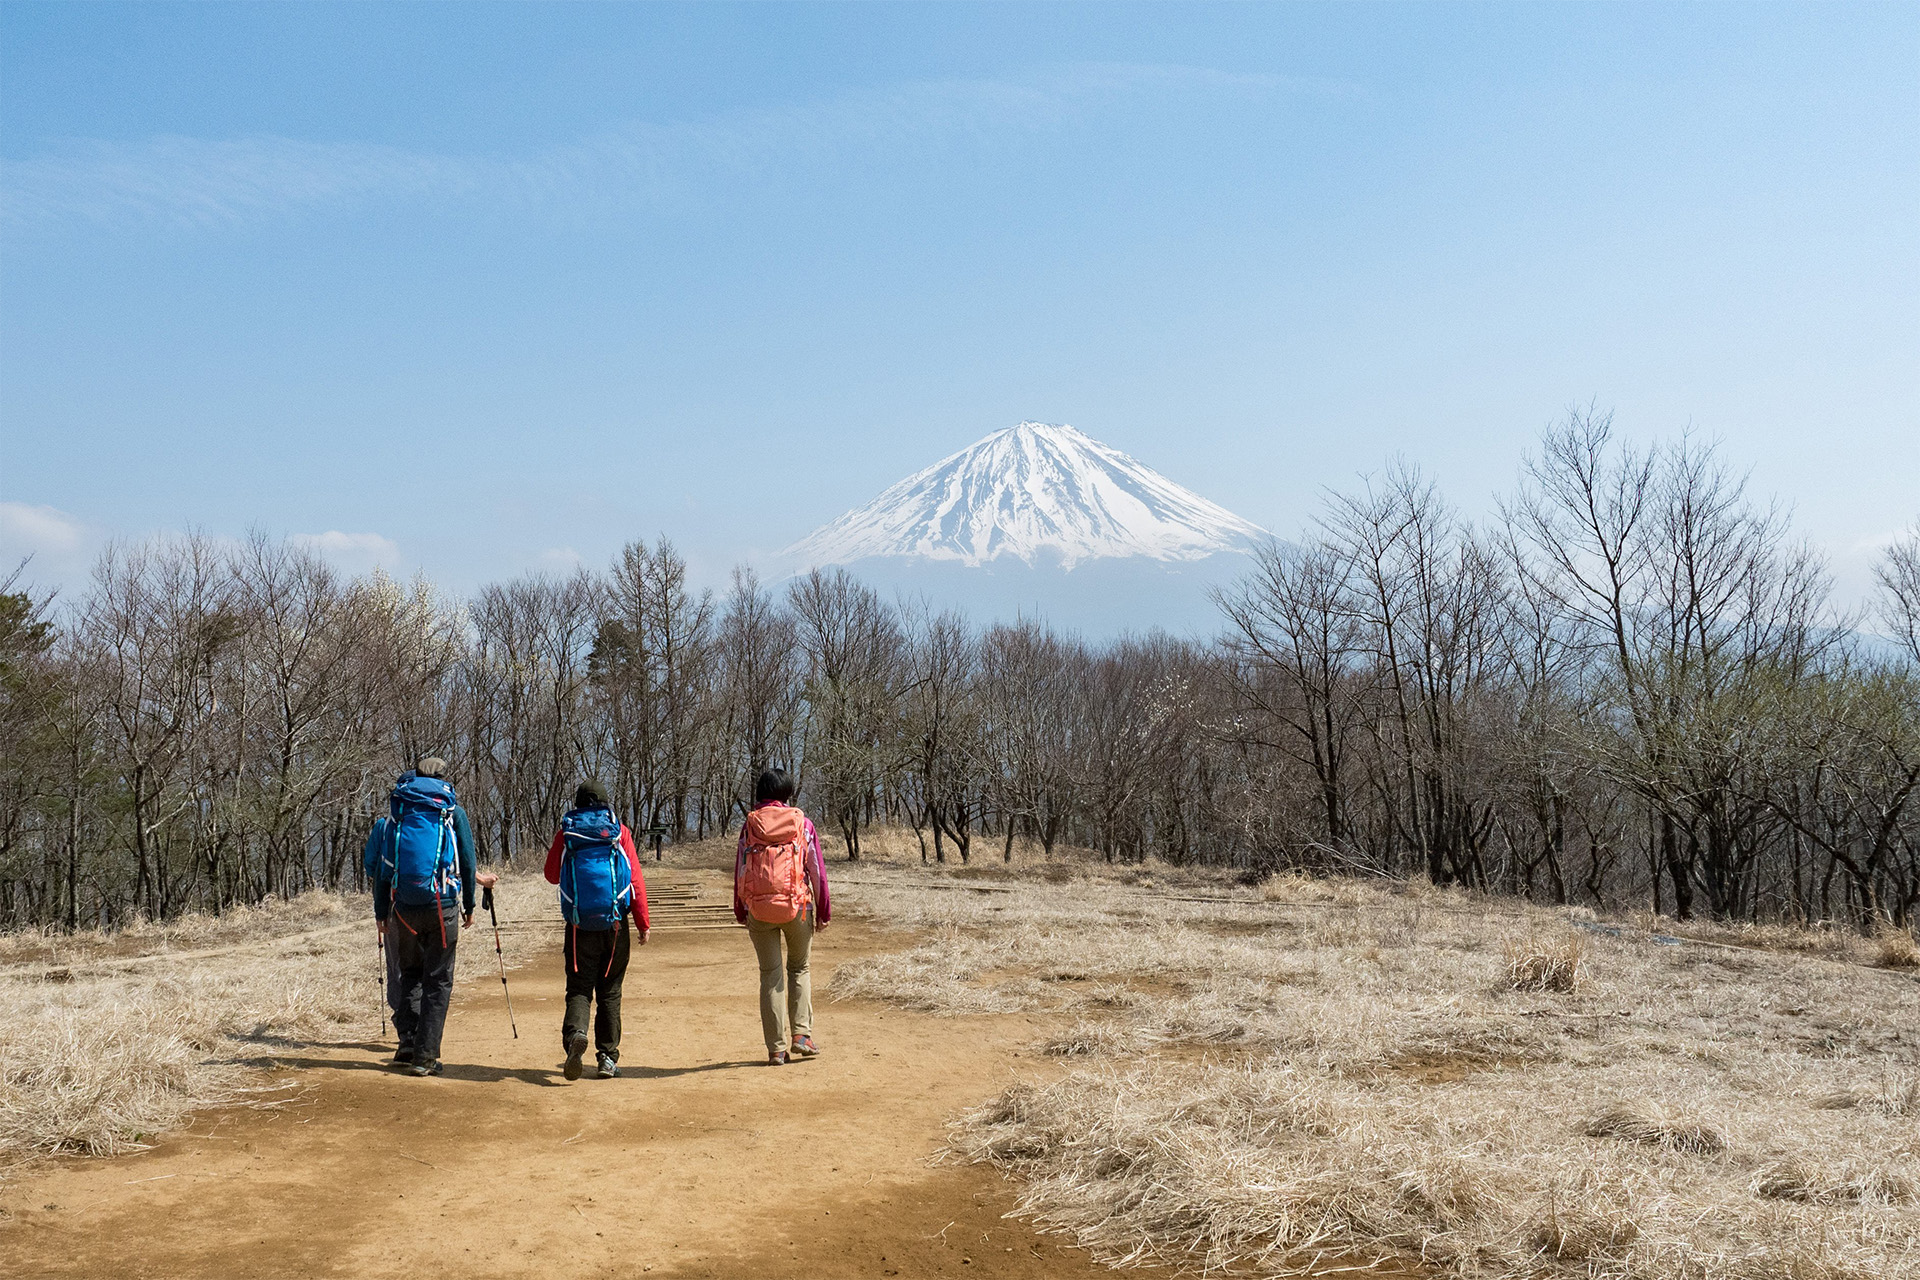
559	846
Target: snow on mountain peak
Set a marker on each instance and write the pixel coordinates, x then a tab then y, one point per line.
1032	489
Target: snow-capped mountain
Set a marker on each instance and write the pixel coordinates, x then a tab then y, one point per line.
1032	493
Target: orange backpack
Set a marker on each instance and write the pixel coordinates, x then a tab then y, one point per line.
771	878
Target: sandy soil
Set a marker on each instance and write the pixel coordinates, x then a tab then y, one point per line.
699	1162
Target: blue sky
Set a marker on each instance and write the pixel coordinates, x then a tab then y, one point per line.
485	289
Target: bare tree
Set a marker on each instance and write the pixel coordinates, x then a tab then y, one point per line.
853	646
1298	674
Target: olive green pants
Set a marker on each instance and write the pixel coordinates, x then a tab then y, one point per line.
786	990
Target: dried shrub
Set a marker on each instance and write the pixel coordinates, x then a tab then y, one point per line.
1643	1121
1535	963
1896	948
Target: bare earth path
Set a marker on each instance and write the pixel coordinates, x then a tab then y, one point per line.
699	1162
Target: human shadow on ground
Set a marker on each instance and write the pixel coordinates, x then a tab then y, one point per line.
299	1042
637	1072
449	1070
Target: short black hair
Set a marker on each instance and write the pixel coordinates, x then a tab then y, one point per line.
774	783
590	795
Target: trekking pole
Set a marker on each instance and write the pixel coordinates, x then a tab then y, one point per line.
486	900
381	934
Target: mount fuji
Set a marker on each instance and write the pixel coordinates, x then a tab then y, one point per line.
1035	492
1042	520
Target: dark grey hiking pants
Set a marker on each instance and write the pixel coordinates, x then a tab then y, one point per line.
394	1001
596	963
423	941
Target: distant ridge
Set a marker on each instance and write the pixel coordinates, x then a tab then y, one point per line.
1032	493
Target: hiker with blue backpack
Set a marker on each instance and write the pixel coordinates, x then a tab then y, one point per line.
593	860
422	863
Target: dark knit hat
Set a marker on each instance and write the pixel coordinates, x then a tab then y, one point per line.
431	767
590	795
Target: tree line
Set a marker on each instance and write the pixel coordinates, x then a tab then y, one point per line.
1630	686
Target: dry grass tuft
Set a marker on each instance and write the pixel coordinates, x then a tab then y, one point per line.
1535	963
104	1078
1807	1180
1594	1226
1897	949
1639	1120
1099	1039
1298	887
1897	1093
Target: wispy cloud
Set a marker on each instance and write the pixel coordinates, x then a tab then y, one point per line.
209	182
353	552
28	529
1878	543
194	181
57	548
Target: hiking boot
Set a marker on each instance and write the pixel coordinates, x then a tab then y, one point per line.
776	1059
402	1057
576	1050
429	1067
804	1047
607	1067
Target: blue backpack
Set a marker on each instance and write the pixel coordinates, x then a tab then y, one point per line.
422	858
596	884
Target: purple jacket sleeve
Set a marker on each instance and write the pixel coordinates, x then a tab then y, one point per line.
739	852
817	869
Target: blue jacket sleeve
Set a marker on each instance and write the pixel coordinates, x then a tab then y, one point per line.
372	863
463	836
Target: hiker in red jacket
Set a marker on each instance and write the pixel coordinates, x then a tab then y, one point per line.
780	892
593	860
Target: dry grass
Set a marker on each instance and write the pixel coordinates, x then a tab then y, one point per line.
1897	949
1639	1120
1813	1181
1535	963
108	1040
274	918
1310	1074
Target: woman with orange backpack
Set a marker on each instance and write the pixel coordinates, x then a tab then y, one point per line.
780	893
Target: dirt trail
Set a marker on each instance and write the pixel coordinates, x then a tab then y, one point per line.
700	1161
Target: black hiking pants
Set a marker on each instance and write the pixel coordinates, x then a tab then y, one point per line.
423	941
596	963
395	1002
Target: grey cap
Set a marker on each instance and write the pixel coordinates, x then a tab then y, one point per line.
431	767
